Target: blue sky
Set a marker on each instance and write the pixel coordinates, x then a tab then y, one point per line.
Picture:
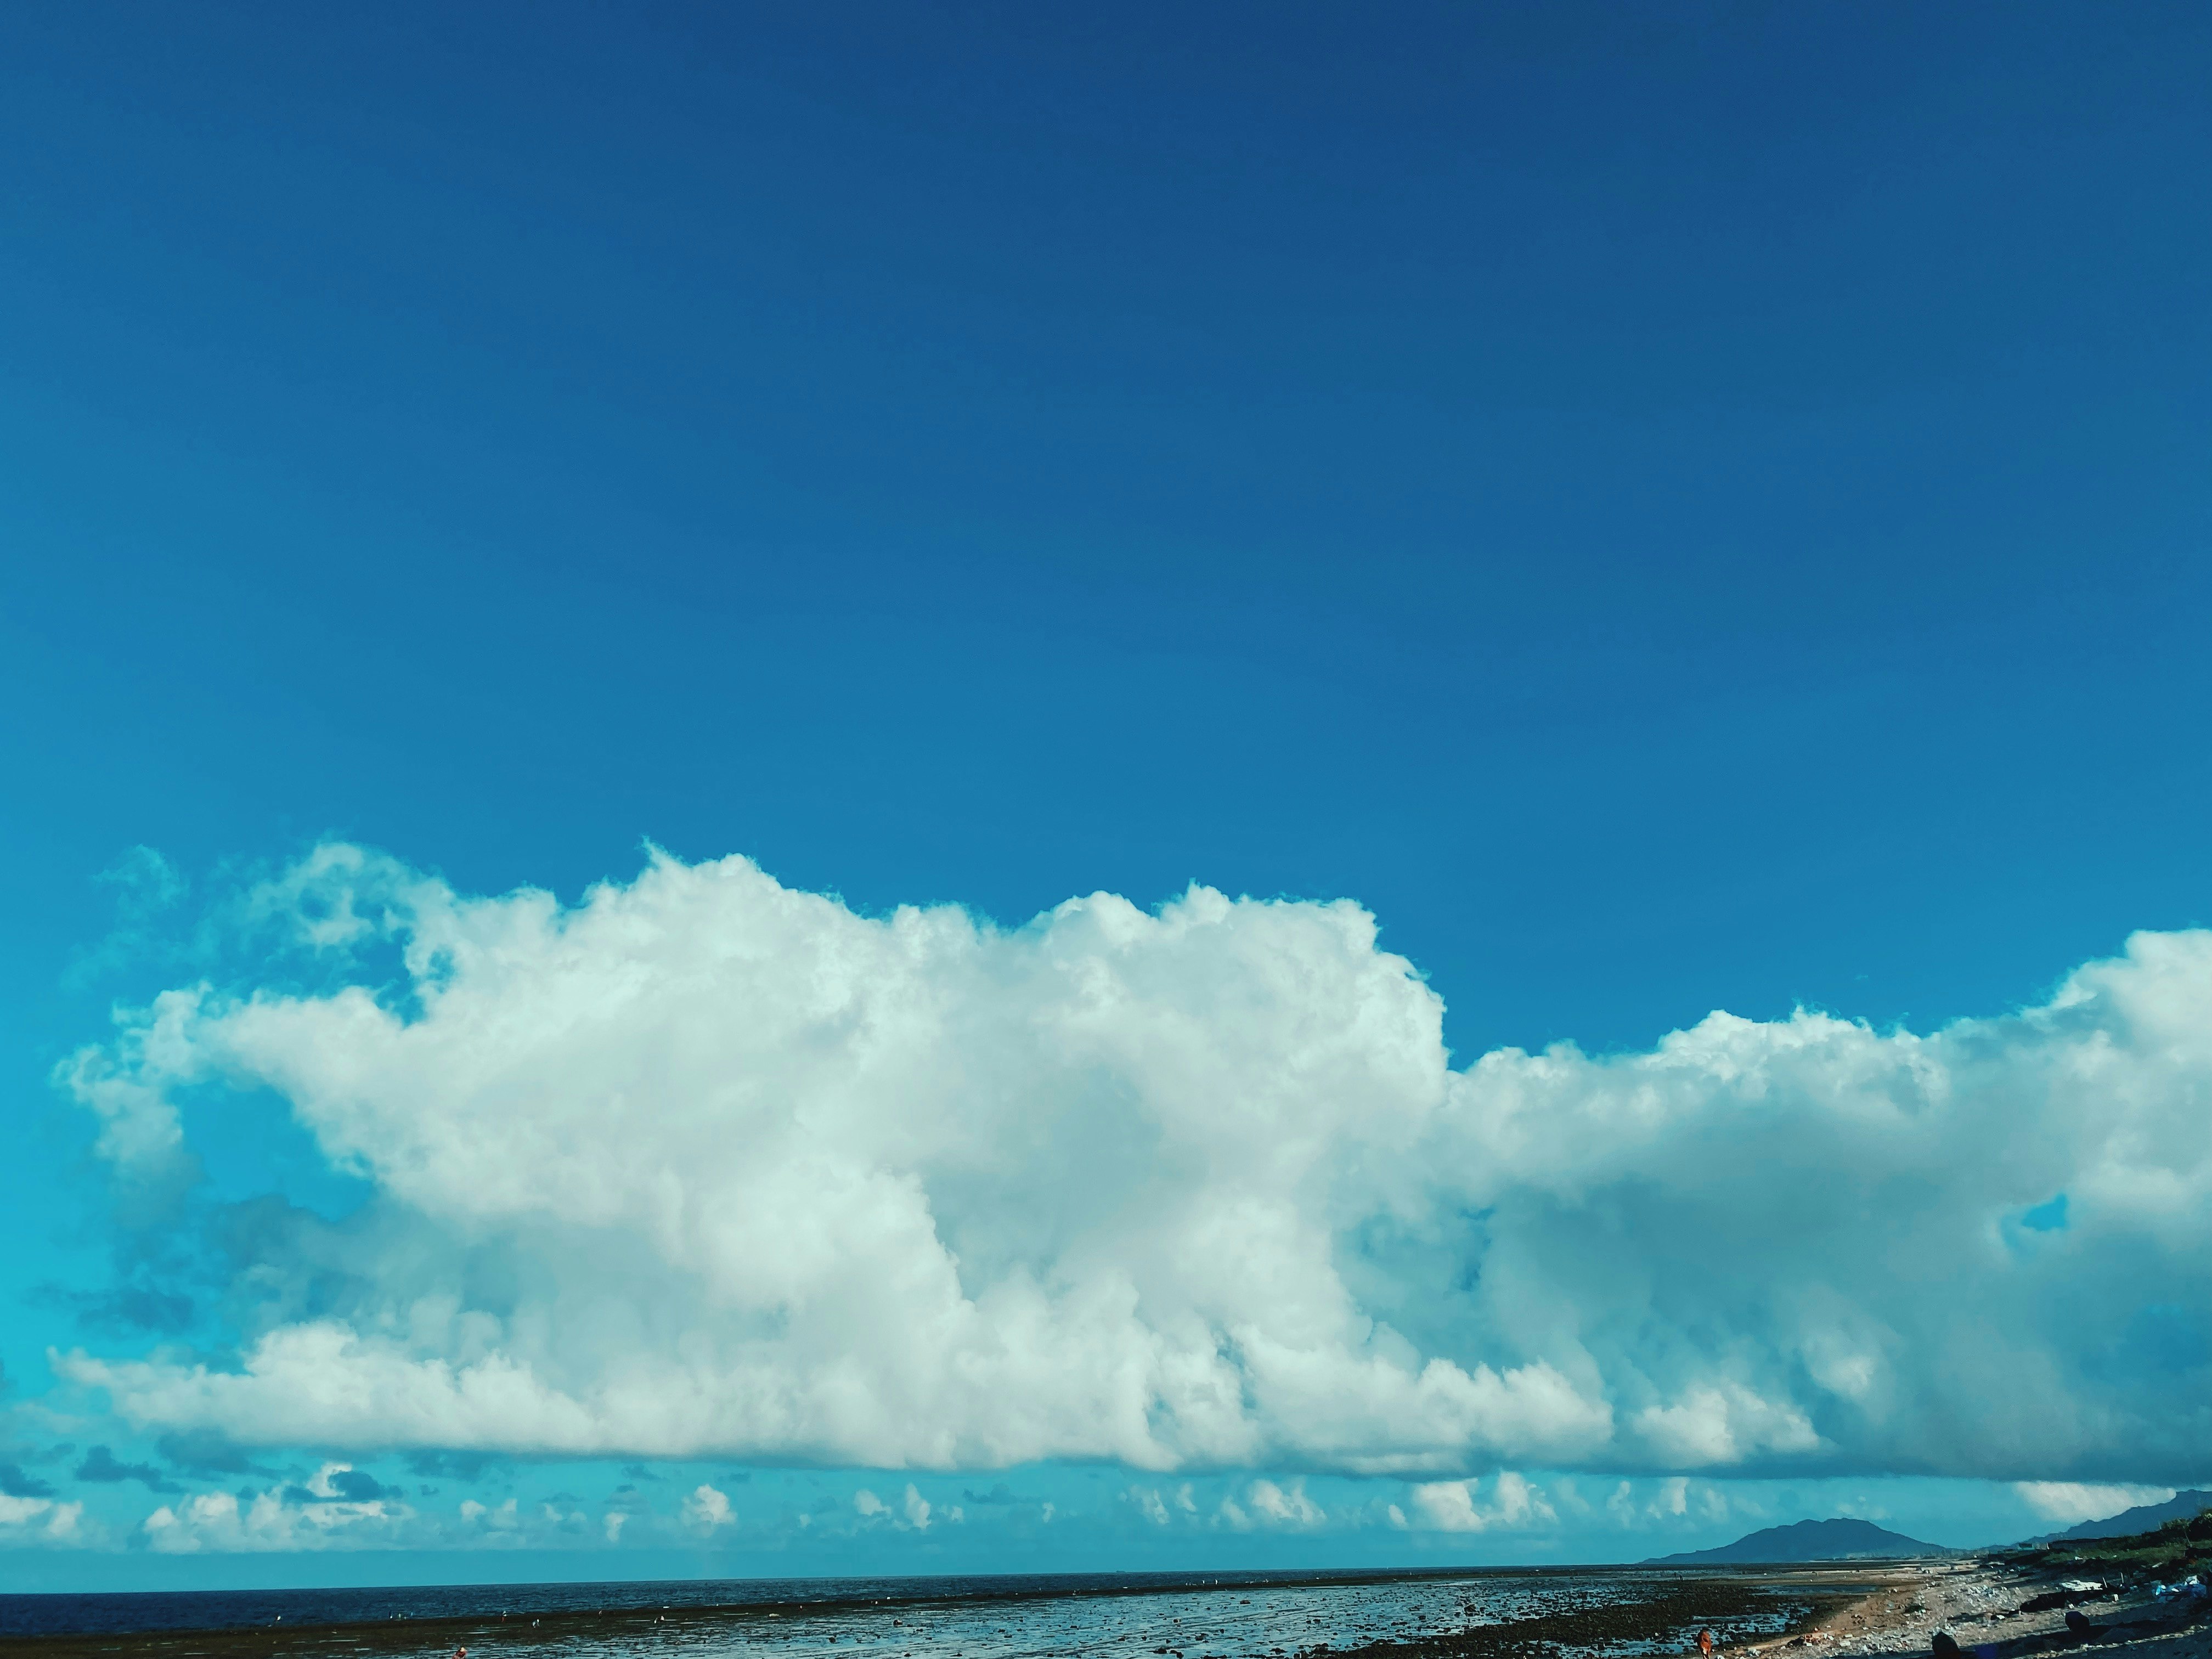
1665	509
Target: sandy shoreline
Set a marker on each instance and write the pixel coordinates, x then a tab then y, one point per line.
1980	1604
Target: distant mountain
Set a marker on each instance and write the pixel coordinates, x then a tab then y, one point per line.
1809	1540
2144	1517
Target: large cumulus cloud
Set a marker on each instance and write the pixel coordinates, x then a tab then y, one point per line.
703	1164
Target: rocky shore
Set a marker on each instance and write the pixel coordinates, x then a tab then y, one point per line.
2003	1609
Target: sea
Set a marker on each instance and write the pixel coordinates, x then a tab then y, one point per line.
1141	1615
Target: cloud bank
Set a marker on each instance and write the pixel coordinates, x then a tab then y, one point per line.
702	1165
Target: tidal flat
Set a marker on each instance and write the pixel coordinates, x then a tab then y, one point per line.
1501	1614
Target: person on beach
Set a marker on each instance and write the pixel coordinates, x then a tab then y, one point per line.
1705	1644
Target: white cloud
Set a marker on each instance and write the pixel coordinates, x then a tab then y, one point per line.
916	1509
1515	1505
43	1521
1159	1508
1283	1506
141	1133
312	1518
913	1514
764	1177
1722	1424
2069	1502
707	1509
317	1516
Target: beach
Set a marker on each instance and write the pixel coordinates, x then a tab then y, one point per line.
1982	1605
